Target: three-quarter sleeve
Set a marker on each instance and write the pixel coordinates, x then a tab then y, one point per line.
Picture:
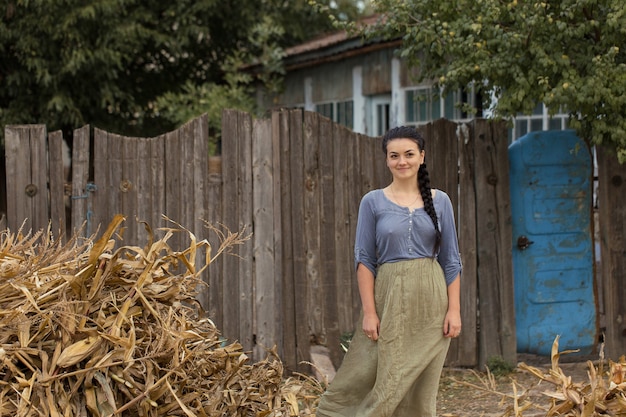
365	240
449	257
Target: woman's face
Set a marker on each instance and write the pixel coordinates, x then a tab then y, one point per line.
404	158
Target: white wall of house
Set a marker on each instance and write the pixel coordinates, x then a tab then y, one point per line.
359	106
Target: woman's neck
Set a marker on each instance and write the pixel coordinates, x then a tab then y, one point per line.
404	186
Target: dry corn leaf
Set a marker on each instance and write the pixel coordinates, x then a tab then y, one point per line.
78	351
595	398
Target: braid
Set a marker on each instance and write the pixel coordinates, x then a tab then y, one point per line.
423	179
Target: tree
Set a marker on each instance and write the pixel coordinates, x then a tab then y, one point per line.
278	24
568	54
104	62
137	67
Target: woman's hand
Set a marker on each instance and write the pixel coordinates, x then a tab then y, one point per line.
452	324
371	326
371	322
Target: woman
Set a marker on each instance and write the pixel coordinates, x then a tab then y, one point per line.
408	270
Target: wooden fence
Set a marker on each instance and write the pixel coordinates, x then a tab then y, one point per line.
294	181
297	179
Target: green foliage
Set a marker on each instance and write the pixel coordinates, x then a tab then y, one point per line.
105	62
140	67
211	98
498	366
301	20
569	54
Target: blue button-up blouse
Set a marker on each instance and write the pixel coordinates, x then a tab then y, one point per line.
387	232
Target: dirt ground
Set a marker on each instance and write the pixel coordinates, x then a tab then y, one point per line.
468	393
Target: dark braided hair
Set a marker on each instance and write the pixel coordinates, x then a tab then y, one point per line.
423	178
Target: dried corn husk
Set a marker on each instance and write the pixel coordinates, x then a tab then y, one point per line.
88	328
603	395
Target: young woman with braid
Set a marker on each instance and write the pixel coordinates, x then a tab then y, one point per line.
408	269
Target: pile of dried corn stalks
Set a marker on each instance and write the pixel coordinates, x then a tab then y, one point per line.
603	395
90	330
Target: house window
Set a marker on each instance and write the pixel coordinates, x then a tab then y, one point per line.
426	104
455	99
422	105
557	123
539	120
345	113
379	114
325	110
382	118
341	112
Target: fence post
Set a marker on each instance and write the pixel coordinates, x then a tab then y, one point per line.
612	217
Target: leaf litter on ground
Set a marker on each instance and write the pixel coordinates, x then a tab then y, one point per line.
603	394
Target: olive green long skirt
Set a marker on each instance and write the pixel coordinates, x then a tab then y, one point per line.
398	375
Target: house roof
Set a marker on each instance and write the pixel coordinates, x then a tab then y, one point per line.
334	47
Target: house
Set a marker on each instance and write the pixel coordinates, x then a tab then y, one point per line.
365	86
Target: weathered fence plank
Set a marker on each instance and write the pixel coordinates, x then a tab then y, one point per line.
368	159
290	335
128	187
328	270
146	209
115	182
442	159
200	168
442	156
312	227
343	163
464	353
237	176
214	293
187	153
39	177
277	194
245	271
355	192
493	239
156	172
81	196
58	220
231	218
612	207
27	187
300	293
174	166
267	320
101	216
383	175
